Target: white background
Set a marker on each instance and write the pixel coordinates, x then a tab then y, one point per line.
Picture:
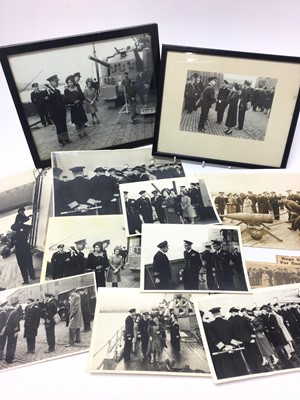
261	26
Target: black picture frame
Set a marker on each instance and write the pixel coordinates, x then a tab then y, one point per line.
133	50
264	140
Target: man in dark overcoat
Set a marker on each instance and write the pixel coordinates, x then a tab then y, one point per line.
221	263
156	202
50	311
128	334
227	362
86	310
220	202
192	266
31	324
143	330
161	267
77	193
59	262
104	189
144	208
11	329
222	101
133	219
3	319
56	109
37	97
208	100
243	106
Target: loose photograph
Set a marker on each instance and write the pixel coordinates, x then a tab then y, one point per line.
193	258
46	321
265	274
251	336
97	244
87	182
168	201
25	206
265	204
226	107
102	96
138	333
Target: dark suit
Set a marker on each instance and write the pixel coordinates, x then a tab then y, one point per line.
50	311
143	207
220	262
133	219
58	261
78	191
191	270
207	100
56	109
38	99
3	319
31	324
222	102
245	98
220	333
104	188
157	204
12	329
128	337
162	270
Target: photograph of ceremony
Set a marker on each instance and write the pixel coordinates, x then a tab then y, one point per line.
87	182
138	333
193	258
46	321
102	96
98	244
25	206
251	336
266	204
223	104
168	201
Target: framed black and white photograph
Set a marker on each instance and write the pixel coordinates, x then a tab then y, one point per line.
266	204
103	94
77	245
25	206
251	336
149	334
167	201
87	182
226	107
193	258
46	321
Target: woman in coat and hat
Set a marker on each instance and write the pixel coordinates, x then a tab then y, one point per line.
233	100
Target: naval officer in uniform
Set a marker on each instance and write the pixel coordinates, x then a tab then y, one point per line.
162	267
192	266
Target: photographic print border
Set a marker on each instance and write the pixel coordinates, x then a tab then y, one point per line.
219	148
65	42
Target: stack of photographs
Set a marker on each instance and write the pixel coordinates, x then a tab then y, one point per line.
118	252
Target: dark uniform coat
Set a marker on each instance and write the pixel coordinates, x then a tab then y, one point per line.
191	270
143	207
220	262
207	100
133	219
128	336
77	191
162	270
32	321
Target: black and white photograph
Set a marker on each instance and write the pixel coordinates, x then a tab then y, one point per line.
227	107
138	333
265	204
45	321
102	96
168	201
251	336
223	104
98	244
193	259
87	182
25	205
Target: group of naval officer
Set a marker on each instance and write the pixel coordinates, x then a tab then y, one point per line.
220	266
100	194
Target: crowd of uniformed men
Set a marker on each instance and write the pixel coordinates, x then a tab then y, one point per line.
78	313
214	268
251	341
262	203
100	193
233	97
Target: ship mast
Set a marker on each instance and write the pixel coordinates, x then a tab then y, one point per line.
96	66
